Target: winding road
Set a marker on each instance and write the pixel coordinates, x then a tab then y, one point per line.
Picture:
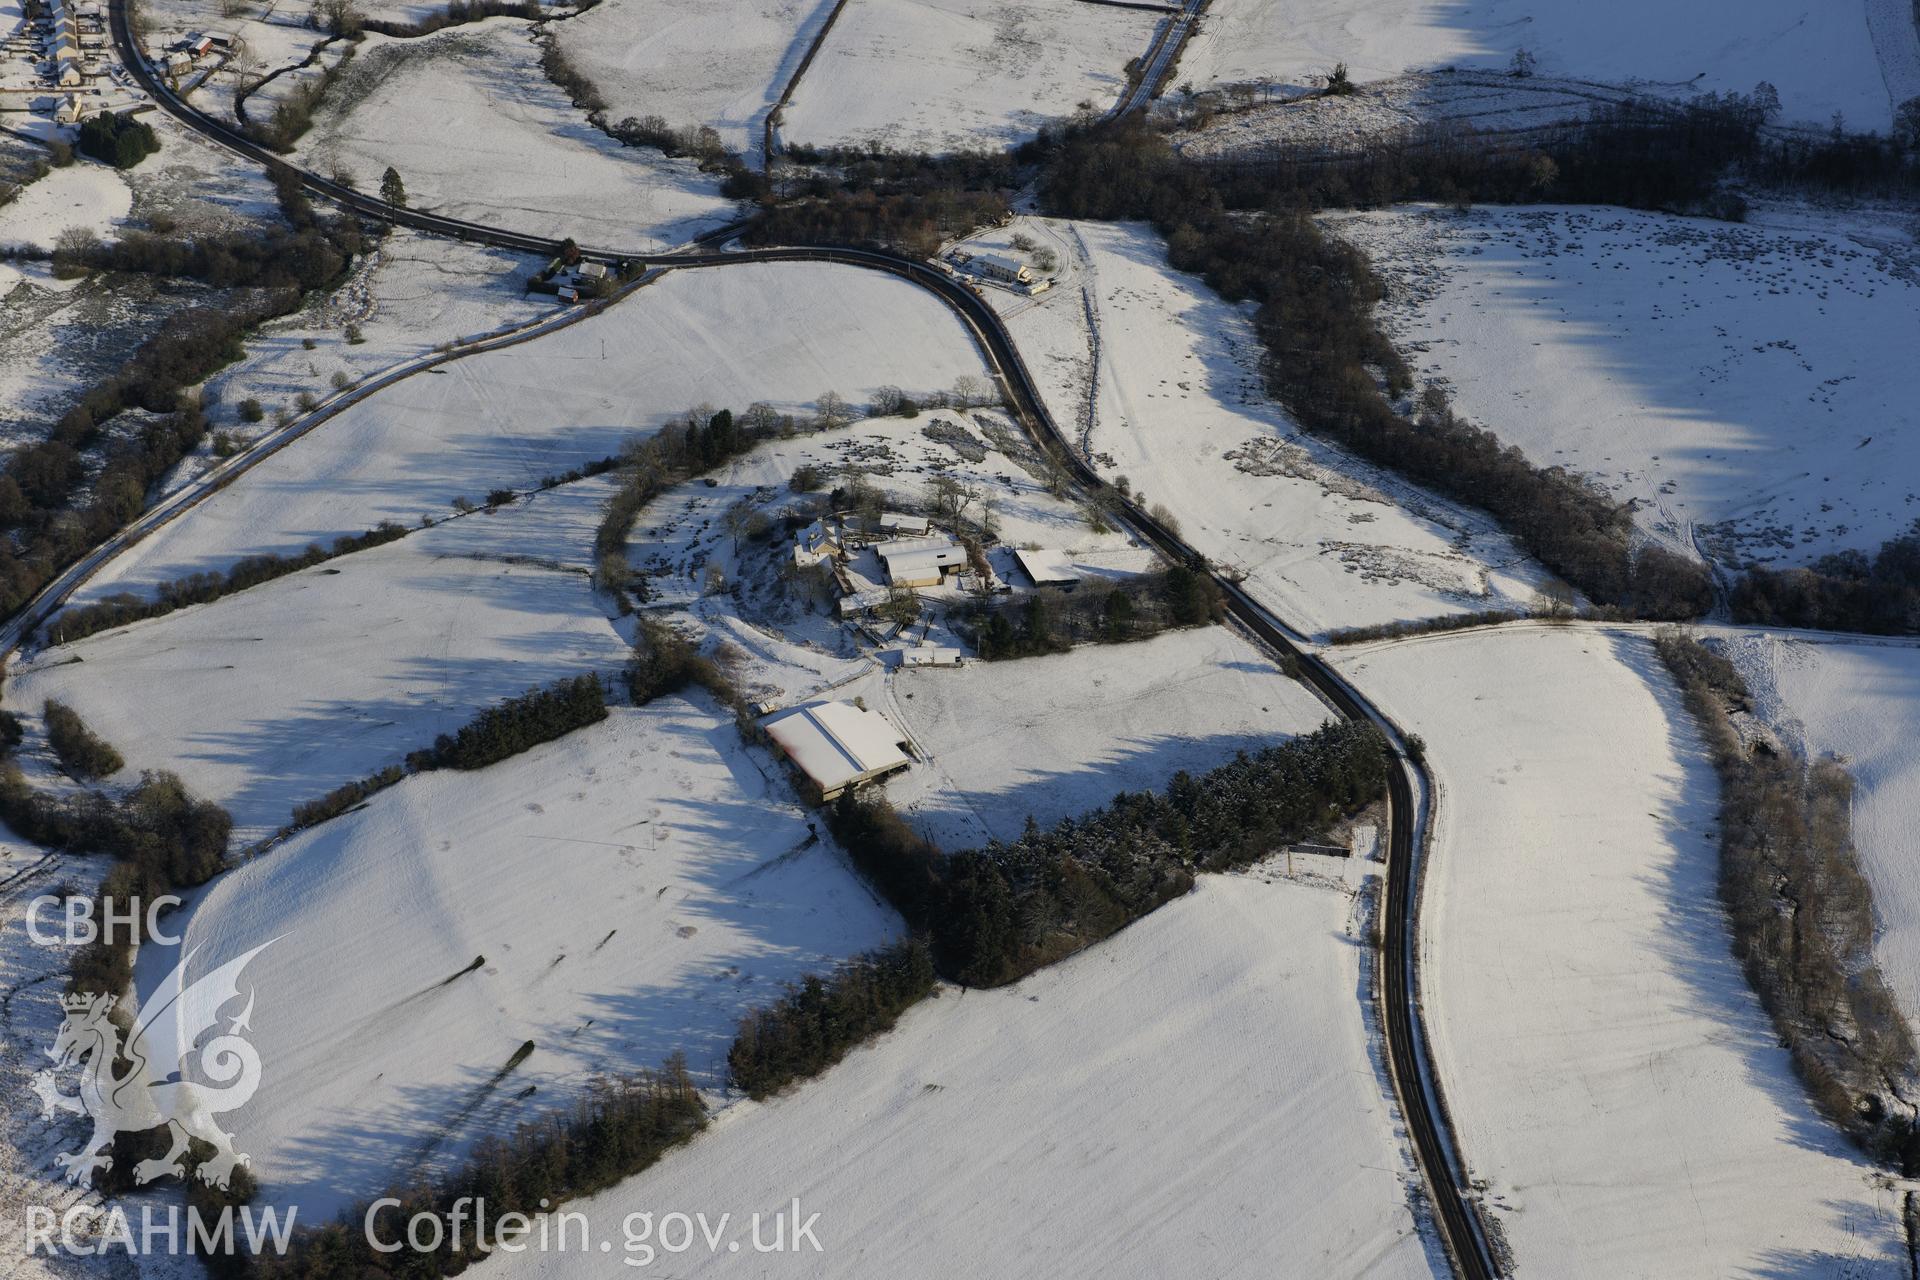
1454	1210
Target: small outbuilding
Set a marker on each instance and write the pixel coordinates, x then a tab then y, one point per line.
838	745
1047	568
899	524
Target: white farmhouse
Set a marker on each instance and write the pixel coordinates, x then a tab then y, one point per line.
997	267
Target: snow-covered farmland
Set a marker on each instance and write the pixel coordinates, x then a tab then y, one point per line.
721	63
1487	102
783	333
1822	58
280	693
629	892
945	75
1055	736
1612	1079
1748	388
412	292
477	131
1860	701
1178	407
84	196
1192	1097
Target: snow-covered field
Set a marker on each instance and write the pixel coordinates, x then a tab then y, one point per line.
1748	388
722	63
1179	409
86	196
782	333
1486	102
947	75
477	131
1860	701
630	890
410	294
197	186
1612	1079
1192	1097
1822	58
280	693
1055	736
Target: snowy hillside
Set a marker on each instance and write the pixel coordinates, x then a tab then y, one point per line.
477	131
1056	736
695	62
1822	58
278	694
1748	388
1612	1078
1195	1097
782	333
1179	409
629	891
950	75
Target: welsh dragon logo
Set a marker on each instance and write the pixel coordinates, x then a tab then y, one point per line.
156	1087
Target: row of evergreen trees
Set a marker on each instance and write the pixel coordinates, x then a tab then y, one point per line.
1053	620
518	724
160	836
84	754
503	730
819	1019
996	914
620	1126
123	607
1846	592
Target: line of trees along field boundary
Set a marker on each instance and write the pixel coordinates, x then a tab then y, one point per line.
1801	913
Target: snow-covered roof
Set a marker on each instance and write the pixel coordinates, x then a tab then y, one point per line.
817	537
901	522
1047	568
916	559
860	600
837	744
1000	263
900	546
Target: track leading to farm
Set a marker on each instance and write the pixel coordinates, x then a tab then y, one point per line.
1407	1052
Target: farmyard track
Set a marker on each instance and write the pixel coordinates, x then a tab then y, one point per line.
1454	1210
